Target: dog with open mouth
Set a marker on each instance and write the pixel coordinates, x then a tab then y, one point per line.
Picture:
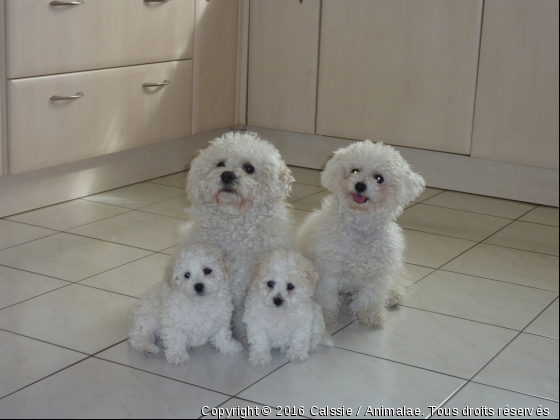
354	240
238	188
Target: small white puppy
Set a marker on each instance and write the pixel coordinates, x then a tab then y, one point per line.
280	311
190	308
238	188
354	240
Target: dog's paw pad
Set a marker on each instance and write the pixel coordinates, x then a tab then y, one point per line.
150	350
373	319
298	357
177	359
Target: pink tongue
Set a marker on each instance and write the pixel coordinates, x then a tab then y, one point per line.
360	199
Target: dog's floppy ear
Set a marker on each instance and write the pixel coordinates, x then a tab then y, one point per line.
310	272
329	175
170	272
286	179
412	186
256	269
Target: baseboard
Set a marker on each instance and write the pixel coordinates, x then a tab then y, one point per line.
441	170
33	190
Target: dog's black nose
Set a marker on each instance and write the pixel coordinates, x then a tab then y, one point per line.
228	177
278	301
199	287
361	187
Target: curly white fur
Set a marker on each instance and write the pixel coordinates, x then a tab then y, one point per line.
354	240
280	311
182	313
248	218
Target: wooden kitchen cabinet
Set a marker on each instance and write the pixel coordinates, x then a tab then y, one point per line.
516	118
403	72
283	52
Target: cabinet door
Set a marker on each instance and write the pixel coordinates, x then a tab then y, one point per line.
400	71
43	38
283	51
516	118
215	65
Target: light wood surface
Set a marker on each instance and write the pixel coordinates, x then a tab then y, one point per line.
116	113
441	170
44	39
283	51
400	71
517	100
215	64
45	187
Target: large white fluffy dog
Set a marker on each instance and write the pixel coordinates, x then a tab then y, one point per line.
238	188
190	308
354	240
280	311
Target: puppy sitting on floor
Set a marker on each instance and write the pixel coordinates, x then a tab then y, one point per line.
238	188
354	240
279	310
190	308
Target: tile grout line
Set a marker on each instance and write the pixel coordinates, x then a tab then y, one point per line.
469	211
44	342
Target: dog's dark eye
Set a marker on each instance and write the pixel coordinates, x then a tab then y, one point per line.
250	169
355	171
187	275
207	271
291	287
221	165
270	284
379	179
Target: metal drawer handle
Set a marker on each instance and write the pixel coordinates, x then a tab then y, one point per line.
164	83
157	1
67	3
67	98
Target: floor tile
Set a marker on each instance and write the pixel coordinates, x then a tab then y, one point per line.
547	323
207	367
528	365
170	251
25	361
337	378
479	204
137	196
138	229
69	215
133	279
430	341
306	176
178	180
528	237
543	215
76	317
256	413
449	222
510	265
475	396
99	389
311	203
173	208
17	286
433	251
415	273
300	191
299	216
12	233
69	257
427	194
489	301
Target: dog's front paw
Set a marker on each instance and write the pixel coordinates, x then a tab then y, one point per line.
150	350
371	318
176	358
297	356
394	298
260	359
330	316
233	347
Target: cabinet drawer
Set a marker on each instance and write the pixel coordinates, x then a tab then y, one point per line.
115	113
45	39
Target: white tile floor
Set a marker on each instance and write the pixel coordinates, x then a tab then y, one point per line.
479	326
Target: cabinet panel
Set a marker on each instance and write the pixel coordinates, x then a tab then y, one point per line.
115	113
45	39
283	51
516	118
215	66
400	71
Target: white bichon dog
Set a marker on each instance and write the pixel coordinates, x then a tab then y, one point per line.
354	240
191	308
280	311
238	188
